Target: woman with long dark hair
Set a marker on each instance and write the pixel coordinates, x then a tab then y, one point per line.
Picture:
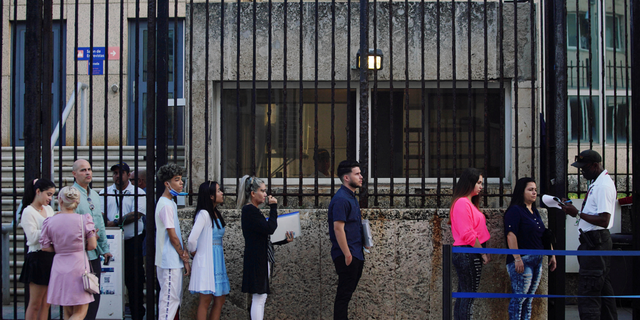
37	264
209	273
469	229
258	249
524	228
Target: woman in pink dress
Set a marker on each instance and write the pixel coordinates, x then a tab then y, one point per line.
62	234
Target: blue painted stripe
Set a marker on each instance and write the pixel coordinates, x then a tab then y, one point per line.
516	295
546	252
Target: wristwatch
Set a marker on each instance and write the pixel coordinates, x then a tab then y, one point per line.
117	222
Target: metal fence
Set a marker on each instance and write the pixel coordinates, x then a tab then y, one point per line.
275	89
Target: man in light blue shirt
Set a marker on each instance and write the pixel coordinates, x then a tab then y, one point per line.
90	203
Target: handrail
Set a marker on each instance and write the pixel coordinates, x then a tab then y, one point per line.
65	114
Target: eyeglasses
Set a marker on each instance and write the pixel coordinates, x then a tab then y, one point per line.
91	206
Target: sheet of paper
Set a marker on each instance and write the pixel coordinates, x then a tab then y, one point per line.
551	201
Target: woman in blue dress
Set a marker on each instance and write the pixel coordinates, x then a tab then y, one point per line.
209	274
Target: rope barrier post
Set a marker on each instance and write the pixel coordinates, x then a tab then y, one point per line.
446	281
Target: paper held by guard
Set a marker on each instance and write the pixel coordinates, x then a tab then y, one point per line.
554	202
368	238
287	222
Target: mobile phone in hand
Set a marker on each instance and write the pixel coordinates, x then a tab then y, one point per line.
106	261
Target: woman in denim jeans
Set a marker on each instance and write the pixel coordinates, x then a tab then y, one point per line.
469	229
523	229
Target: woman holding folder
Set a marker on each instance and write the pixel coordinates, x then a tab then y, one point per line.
258	249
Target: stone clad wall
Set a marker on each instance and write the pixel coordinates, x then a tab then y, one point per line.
402	276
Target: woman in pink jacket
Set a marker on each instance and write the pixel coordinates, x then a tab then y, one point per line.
469	229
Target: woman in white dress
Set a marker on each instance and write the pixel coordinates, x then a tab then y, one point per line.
209	273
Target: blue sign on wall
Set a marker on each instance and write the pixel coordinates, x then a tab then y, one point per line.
97	68
99	53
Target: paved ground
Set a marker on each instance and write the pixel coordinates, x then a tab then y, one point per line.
570	314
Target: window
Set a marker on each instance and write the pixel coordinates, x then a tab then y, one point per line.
292	131
618	120
583	119
614	35
578	27
469	127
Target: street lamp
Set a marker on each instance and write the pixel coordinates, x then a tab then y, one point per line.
374	61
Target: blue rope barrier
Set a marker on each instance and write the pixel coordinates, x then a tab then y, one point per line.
546	252
520	295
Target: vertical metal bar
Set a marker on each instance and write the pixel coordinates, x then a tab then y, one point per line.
350	115
627	97
151	140
207	132
301	101
454	103
615	99
502	99
532	27
269	72
14	140
47	81
238	110
62	92
486	97
162	84
446	281
253	95
603	75
635	85
91	59
4	246
223	162
315	123
589	81
333	94
470	104
391	117
285	110
556	105
374	127
75	81
423	104
33	90
106	99
175	91
515	92
364	102
439	112
406	126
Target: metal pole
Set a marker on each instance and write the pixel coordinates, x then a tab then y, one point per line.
162	83
556	106
47	81
446	281
635	85
33	90
364	101
151	137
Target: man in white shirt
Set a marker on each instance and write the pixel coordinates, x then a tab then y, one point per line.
594	220
123	211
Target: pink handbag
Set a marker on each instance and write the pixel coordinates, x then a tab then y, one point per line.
89	279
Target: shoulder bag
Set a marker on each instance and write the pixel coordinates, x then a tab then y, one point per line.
89	279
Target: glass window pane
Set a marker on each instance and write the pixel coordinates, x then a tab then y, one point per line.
618	120
583	119
292	131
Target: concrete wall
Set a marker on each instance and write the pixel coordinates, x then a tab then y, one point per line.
454	50
402	276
